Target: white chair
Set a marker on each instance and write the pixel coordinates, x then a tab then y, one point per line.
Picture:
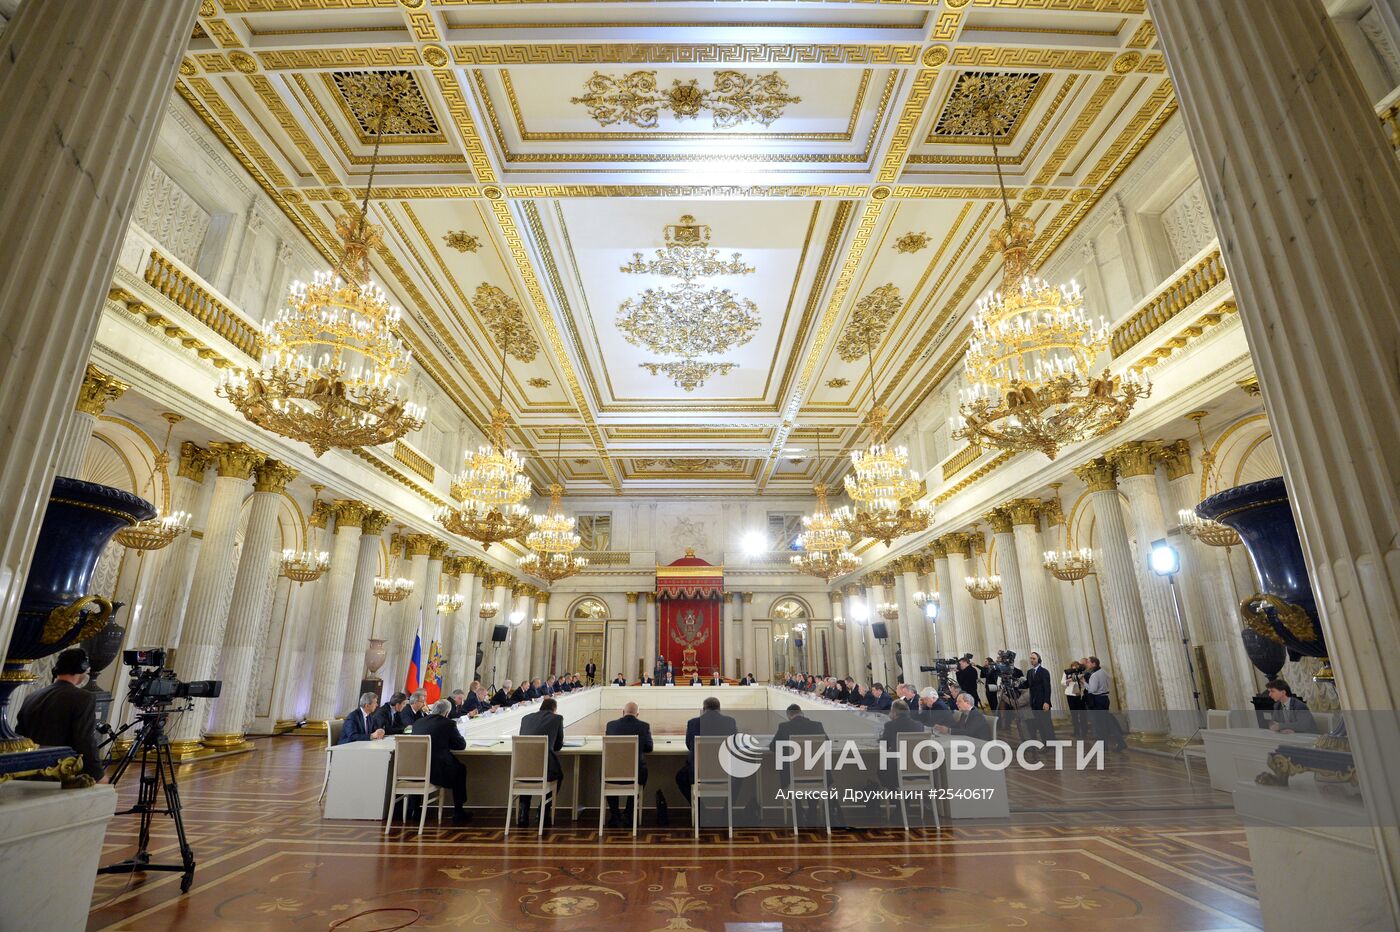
809	772
333	731
529	775
1217	718
916	776
619	776
711	782
412	762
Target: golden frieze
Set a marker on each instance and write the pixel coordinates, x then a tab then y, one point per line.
734	99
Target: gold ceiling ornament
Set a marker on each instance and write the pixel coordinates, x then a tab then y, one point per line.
986	106
1029	362
688	374
1068	563
505	320
687	255
871	316
837	383
825	543
332	360
911	242
881	484
734	99
688	320
1211	533
365	92
693	464
159	530
553	540
461	240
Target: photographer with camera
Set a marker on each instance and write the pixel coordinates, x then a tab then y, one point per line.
64	714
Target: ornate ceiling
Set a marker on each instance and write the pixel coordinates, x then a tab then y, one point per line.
540	146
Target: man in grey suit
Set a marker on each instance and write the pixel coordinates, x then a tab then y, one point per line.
64	714
549	723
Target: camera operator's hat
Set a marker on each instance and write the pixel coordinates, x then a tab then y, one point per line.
72	661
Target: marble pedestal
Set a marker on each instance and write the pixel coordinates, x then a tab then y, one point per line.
53	835
1235	754
1314	857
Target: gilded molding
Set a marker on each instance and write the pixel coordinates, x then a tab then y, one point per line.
1135	458
97	391
321	511
438	549
350	513
1054	513
909	563
1098	475
999	520
938	549
235	460
273	476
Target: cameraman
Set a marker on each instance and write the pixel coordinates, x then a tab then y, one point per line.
65	714
967	677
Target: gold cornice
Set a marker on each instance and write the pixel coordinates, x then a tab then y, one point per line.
986	468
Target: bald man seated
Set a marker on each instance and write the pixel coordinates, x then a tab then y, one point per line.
629	724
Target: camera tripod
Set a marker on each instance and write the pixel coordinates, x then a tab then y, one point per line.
157	777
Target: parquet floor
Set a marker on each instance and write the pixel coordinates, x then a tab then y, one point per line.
1133	846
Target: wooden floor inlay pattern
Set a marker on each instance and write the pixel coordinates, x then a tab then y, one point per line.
1168	856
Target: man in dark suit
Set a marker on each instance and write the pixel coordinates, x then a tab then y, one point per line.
470	703
544	721
967	677
522	693
695	679
900	722
444	769
969	722
1038	688
63	714
797	727
359	724
619	680
386	717
716	679
503	694
414	710
932	710
709	723
590	670
629	724
877	700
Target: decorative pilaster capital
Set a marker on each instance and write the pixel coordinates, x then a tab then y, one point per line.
978	541
651	598
632	596
1176	458
235	460
374	523
320	513
748	598
469	566
958	542
909	563
851	590
1135	458
938	549
349	513
1025	511
729	598
886	578
999	519
272	476
419	544
1054	514
437	550
98	390
1098	475
835	595
451	566
193	461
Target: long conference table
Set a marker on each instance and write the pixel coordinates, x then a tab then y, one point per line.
360	772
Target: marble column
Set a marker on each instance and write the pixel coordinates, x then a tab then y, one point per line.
730	655
751	642
651	633
67	197
202	633
462	650
498	652
1072	621
946	633
841	664
97	391
629	639
291	697
432	586
190	491
1013	596
520	637
247	614
539	651
1043	636
912	615
881	664
855	634
334	611
360	609
1136	463
1216	632
412	610
1136	676
966	630
1302	185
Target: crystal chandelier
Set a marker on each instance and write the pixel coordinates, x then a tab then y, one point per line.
448	603
488	608
303	566
392	588
158	531
553	541
1067	563
888	611
825	544
1029	363
332	360
984	588
1211	533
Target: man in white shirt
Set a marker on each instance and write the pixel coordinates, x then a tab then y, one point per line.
1097	698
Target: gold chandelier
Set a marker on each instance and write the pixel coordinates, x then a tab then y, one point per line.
1067	563
304	566
332	359
1211	533
158	531
449	603
987	586
390	587
825	544
1029	363
553	541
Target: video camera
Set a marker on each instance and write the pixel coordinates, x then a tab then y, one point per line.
153	685
941	665
1005	664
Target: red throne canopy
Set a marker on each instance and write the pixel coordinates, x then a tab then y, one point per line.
689	591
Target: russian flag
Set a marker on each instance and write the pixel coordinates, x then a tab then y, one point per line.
415	660
432	672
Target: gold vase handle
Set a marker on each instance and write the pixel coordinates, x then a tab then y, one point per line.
62	619
1293	617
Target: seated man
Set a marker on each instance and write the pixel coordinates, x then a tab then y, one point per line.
413	711
709	723
64	714
544	721
932	710
968	722
470	702
483	701
630	724
459	703
386	717
444	769
878	700
695	679
670	680
797	727
648	681
1290	715
522	693
619	680
504	695
359	724
716	679
900	722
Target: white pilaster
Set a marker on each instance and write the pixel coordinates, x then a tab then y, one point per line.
629	638
360	609
1043	634
335	611
650	632
1013	596
750	642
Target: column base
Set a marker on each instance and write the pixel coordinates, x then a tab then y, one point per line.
284	725
227	742
1150	740
316	729
183	752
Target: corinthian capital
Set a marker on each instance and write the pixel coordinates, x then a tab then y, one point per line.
1098	475
272	476
236	460
98	390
